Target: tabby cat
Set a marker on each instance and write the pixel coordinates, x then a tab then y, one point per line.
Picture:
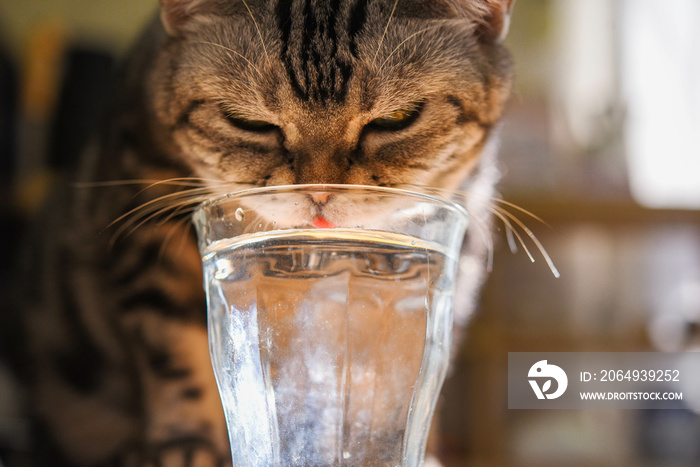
219	95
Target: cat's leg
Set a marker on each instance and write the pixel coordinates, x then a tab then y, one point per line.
163	313
182	414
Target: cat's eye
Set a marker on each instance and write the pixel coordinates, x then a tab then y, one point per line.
397	120
247	124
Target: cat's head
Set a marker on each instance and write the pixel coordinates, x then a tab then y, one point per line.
370	92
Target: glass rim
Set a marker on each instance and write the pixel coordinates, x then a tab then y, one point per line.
330	187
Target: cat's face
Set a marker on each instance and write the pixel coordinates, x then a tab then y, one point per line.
370	92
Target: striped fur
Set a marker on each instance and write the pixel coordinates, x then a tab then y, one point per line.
235	93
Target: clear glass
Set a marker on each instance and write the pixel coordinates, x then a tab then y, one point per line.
330	316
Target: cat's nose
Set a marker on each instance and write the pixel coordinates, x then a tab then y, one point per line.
320	197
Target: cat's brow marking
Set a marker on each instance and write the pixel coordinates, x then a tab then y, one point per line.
229	49
402	43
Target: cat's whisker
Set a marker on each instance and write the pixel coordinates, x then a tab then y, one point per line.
511	241
148	204
509	220
175	203
145	212
211	188
386	28
168	182
180	181
257	28
503	217
174	212
206	184
177	210
535	240
224	188
169	202
523	210
123	228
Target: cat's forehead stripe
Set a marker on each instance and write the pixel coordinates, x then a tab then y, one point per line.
358	16
312	48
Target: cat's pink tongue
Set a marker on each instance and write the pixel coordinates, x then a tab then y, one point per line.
322	223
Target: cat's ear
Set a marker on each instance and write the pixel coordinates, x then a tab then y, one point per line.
494	24
175	13
490	17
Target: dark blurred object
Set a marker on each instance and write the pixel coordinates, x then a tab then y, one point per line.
28	168
10	223
81	106
8	112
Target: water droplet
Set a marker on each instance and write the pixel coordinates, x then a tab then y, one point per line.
296	203
346	455
240	215
413	242
229	195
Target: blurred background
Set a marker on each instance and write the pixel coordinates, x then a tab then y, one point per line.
598	141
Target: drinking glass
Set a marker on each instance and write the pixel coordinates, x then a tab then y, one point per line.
329	319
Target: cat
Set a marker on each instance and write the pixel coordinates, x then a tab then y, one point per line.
216	96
